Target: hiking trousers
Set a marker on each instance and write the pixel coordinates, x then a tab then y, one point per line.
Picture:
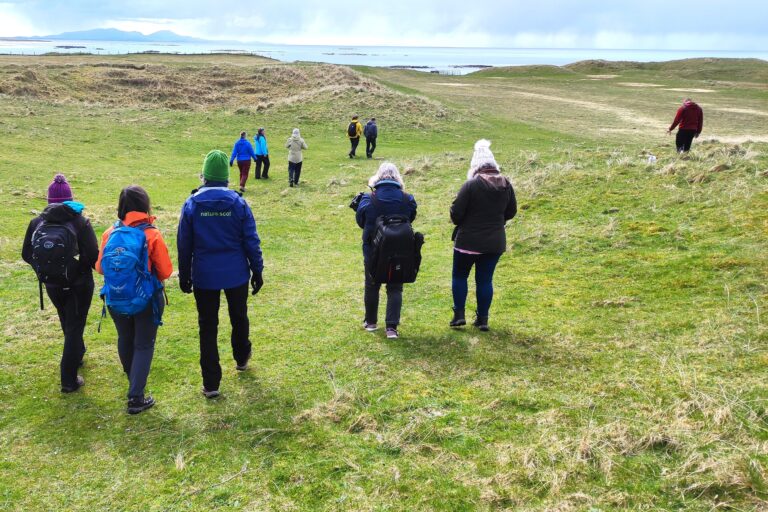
294	172
684	139
262	160
136	335
72	305
371	300
208	302
245	169
370	146
354	142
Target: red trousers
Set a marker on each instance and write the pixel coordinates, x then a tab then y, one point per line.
245	168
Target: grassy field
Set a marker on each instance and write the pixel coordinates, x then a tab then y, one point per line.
627	363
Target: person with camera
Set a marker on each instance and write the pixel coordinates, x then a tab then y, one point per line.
219	249
387	198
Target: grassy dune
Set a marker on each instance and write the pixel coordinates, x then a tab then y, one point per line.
626	366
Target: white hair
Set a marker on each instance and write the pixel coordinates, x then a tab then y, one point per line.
387	171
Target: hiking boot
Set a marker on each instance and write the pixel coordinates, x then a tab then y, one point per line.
290	184
369	327
392	333
244	366
80	382
210	394
458	318
481	322
137	405
265	176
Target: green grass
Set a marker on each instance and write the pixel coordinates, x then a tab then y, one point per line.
625	369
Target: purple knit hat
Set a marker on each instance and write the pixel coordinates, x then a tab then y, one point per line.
58	190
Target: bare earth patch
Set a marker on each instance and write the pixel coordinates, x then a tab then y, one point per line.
680	89
602	77
450	84
748	111
638	84
738	139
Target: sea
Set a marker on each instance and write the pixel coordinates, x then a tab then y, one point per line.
450	61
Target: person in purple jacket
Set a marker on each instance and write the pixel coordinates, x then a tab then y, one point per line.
219	249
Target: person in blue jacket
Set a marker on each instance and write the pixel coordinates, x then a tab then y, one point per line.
243	152
262	154
219	249
388	187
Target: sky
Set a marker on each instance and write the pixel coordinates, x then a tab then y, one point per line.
648	24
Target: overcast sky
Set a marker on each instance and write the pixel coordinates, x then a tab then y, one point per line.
647	24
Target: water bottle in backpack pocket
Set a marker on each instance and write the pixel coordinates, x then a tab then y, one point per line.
129	286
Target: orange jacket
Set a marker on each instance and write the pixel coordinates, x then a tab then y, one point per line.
159	261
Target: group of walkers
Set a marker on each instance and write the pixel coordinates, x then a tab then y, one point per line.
370	132
243	152
219	250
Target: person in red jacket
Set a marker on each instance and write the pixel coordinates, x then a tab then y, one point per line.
690	117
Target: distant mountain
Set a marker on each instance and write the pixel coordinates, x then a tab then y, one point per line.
113	34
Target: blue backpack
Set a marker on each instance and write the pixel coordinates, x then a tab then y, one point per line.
129	286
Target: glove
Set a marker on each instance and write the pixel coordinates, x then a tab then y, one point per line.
256	283
185	285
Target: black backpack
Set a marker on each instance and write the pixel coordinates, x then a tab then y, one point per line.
396	248
352	129
54	254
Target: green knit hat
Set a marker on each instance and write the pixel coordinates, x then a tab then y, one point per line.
216	166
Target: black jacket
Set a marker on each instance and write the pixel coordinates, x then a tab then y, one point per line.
86	238
480	210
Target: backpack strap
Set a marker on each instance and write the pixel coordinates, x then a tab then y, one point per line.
40	283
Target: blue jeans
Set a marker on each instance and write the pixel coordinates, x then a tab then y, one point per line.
484	264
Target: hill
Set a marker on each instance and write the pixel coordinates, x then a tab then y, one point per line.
624	369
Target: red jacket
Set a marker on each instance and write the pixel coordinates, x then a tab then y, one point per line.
689	117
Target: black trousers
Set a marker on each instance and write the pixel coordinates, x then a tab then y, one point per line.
72	305
684	139
354	142
208	320
371	300
370	146
294	172
262	159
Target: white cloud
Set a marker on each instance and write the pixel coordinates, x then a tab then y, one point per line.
12	22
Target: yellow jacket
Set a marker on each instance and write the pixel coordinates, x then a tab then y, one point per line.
358	130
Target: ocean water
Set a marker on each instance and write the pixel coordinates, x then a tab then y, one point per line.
443	60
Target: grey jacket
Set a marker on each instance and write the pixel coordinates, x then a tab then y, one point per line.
295	145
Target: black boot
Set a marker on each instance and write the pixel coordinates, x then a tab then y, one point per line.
137	405
481	322
458	318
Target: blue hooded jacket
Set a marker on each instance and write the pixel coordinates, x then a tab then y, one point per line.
260	142
243	150
217	241
390	198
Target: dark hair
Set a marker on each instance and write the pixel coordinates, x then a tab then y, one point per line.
133	198
243	134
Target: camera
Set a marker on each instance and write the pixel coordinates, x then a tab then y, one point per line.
356	201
